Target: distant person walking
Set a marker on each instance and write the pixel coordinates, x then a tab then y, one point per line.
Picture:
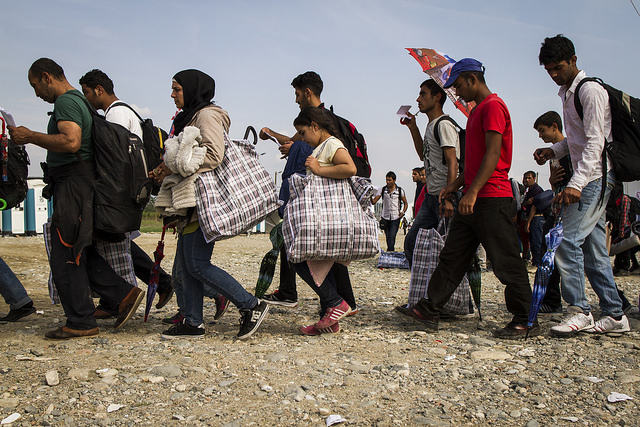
394	205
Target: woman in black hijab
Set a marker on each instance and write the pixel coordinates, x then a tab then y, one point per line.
192	92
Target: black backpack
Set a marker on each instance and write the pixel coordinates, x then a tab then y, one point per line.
355	144
461	135
624	150
153	138
15	166
122	186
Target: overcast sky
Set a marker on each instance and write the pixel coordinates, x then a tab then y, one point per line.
253	49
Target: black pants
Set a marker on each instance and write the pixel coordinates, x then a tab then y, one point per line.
490	224
287	288
142	265
74	282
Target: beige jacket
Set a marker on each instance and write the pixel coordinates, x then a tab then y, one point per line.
212	121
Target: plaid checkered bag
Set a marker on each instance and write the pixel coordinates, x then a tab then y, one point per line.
426	254
329	219
236	195
392	260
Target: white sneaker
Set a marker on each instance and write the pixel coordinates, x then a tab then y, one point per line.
572	324
608	324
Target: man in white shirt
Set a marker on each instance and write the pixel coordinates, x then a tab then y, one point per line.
394	205
440	160
125	257
583	248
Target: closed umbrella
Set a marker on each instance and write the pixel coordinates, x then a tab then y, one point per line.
268	264
541	280
154	278
475	282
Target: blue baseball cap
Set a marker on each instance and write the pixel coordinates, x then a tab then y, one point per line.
465	64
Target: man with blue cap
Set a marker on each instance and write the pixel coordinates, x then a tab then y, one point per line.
485	212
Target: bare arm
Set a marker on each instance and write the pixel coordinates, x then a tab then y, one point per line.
280	137
404	202
343	166
375	199
68	140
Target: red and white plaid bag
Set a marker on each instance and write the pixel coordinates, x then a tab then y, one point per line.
329	219
426	255
236	195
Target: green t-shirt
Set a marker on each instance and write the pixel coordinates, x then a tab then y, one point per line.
71	108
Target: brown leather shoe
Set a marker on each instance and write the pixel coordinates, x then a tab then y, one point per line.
128	306
65	333
164	297
101	314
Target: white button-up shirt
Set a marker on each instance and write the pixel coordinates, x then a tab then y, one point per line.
585	138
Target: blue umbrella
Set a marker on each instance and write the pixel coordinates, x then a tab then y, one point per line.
553	239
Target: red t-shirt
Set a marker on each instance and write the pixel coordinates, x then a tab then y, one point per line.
490	114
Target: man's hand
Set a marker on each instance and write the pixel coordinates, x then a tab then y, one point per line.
409	121
20	135
556	175
567	196
160	173
446	208
265	133
284	149
466	204
541	155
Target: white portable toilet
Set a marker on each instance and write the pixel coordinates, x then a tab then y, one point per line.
40	204
17	219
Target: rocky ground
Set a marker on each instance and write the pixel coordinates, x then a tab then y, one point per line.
381	369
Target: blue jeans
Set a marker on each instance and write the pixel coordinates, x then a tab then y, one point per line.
426	218
390	233
583	250
178	288
536	238
11	288
193	269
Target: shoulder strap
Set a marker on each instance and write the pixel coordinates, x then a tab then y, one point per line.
124	104
576	95
92	110
436	127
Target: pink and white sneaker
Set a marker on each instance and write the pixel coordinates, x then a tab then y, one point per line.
312	330
333	315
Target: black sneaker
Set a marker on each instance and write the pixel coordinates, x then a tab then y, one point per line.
516	330
19	313
550	308
250	319
172	320
276	299
183	330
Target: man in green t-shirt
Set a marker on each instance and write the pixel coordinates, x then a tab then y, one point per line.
76	266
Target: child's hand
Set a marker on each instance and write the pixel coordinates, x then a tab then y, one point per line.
556	175
313	164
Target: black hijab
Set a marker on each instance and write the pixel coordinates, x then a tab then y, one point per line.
198	90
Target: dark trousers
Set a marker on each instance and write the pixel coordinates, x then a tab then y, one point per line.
287	288
490	224
142	265
390	233
327	292
74	282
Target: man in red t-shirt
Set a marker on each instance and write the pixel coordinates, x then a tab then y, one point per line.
485	212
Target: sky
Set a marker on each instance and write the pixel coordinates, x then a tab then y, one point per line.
254	49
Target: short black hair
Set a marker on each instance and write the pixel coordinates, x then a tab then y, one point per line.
435	89
324	118
418	169
548	119
556	49
391	175
309	80
46	65
96	77
532	173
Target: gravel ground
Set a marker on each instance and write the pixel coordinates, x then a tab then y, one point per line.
381	369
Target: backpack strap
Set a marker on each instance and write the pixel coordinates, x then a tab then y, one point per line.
580	110
124	104
436	127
